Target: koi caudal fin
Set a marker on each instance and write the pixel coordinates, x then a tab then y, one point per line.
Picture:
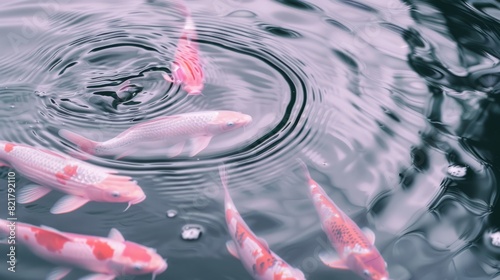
83	143
4	227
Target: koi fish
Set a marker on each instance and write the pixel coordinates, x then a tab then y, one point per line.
254	253
355	247
81	181
186	68
106	257
174	131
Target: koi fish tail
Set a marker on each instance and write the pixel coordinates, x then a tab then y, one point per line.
223	177
83	143
304	168
184	9
4	227
189	24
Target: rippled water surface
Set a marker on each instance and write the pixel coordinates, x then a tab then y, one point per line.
377	97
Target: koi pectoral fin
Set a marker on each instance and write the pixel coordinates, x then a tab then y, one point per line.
58	273
125	154
67	204
231	248
199	144
31	193
116	235
98	277
176	149
332	260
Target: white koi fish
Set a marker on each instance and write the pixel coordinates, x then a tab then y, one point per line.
354	246
169	131
254	253
106	257
81	181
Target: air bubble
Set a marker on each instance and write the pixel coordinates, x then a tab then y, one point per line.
458	171
171	213
191	232
495	239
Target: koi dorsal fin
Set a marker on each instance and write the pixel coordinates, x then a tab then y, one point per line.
264	243
231	248
116	235
50	229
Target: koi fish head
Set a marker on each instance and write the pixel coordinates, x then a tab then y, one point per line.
193	89
118	189
228	120
370	266
139	260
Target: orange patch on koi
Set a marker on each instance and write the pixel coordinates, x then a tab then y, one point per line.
101	250
263	263
136	253
68	172
62	178
8	147
52	241
241	234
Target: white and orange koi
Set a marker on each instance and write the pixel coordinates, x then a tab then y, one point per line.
355	247
254	253
169	131
186	68
106	257
81	181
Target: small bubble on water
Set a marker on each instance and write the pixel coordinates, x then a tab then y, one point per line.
495	239
456	170
40	93
171	213
191	232
12	106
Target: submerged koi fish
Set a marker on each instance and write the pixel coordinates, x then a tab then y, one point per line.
186	68
107	257
356	248
254	253
174	131
81	181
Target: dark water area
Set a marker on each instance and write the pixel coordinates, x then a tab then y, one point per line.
378	98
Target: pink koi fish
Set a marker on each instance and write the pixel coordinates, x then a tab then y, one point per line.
355	247
106	257
254	253
81	181
186	68
170	131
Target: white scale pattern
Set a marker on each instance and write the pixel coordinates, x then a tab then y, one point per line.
170	128
50	164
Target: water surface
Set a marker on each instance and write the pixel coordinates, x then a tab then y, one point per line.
377	97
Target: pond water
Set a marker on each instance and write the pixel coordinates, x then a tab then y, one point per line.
393	105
